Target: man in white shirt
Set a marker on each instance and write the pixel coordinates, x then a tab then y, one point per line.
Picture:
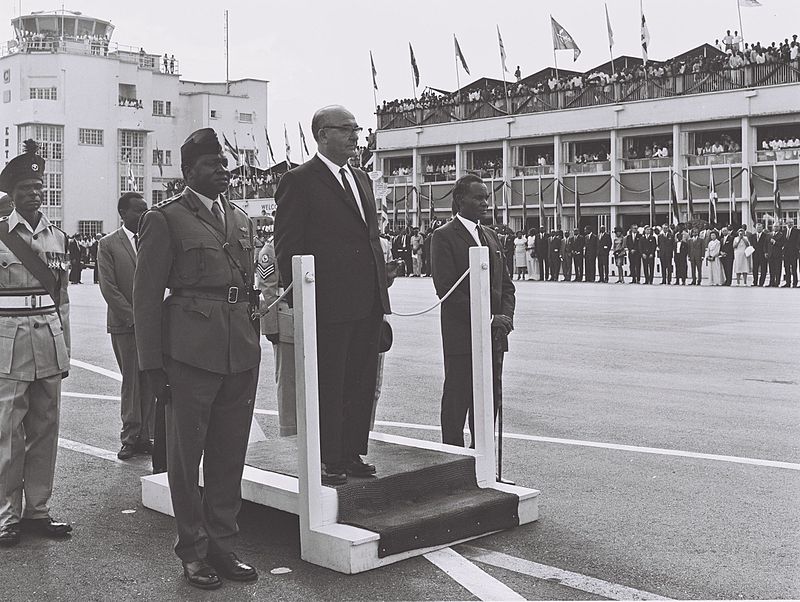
116	263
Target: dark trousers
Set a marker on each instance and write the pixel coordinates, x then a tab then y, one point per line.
790	269
347	357
680	269
457	395
697	270
75	272
590	262
544	268
727	268
636	266
136	408
666	270
602	267
759	268
577	261
649	264
209	415
775	267
555	268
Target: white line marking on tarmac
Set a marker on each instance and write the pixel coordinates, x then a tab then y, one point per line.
577	581
92	368
92	396
472	578
90	450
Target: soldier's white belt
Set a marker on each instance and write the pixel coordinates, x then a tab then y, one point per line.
26	302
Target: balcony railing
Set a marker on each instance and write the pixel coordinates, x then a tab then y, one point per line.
751	76
714	159
533	170
495	173
784	154
448	176
593	167
647	163
399	179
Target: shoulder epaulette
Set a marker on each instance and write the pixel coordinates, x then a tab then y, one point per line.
4	219
235	206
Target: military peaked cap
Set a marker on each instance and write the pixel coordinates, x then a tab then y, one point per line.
201	142
27	166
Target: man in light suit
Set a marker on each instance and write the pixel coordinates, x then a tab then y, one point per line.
116	264
450	259
326	209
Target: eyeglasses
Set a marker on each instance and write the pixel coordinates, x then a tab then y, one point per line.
345	128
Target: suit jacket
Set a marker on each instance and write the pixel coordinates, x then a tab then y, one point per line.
116	264
605	243
759	243
181	248
632	244
316	217
775	245
74	251
554	246
590	244
647	245
666	246
450	246
541	245
578	244
726	246
697	248
682	250
790	247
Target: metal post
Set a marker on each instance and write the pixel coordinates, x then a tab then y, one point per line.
482	389
309	474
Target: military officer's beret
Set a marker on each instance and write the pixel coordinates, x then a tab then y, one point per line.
27	166
201	142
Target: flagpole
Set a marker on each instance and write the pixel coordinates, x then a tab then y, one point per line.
413	77
610	43
503	73
741	28
374	83
652	201
555	59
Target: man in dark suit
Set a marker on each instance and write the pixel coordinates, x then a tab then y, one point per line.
775	245
554	252
542	254
681	255
666	249
790	254
93	256
116	264
604	248
578	243
634	254
647	248
759	257
726	255
326	209
697	250
75	262
567	242
590	254
201	343
450	259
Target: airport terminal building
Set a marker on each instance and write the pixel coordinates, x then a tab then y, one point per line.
624	149
109	118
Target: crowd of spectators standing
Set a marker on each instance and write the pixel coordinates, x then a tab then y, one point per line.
82	251
733	57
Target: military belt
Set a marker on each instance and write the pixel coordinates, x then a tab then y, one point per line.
44	301
229	294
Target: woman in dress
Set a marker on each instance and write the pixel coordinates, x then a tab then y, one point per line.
713	261
741	262
530	257
618	249
521	255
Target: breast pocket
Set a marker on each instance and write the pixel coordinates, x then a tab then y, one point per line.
199	258
10	268
8	332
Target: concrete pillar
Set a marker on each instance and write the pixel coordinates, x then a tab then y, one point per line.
677	167
748	153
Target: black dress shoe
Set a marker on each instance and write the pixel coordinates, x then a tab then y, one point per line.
144	447
358	468
333	475
230	567
10	535
46	526
126	452
201	575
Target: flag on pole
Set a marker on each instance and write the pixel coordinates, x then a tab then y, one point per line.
577	206
559	205
303	138
160	160
233	150
288	148
610	31
689	197
374	71
712	197
776	192
652	201
676	210
131	179
645	39
753	201
563	41
431	209
269	146
414	67
542	215
502	50
460	55
749	3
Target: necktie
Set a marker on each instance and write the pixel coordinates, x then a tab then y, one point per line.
481	235
215	209
348	190
135	243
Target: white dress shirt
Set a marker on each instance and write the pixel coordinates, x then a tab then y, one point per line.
209	202
350	178
131	240
472	228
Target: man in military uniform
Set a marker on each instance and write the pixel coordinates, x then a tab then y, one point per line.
201	343
34	352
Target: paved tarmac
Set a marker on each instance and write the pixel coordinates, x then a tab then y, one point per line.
660	423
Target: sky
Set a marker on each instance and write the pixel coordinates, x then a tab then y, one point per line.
316	52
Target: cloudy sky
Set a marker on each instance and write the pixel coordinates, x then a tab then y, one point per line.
316	52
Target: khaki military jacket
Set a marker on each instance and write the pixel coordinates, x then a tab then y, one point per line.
34	346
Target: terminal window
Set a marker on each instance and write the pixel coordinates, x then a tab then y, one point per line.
162	157
90	137
162	108
246	117
158	197
90	227
44	93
